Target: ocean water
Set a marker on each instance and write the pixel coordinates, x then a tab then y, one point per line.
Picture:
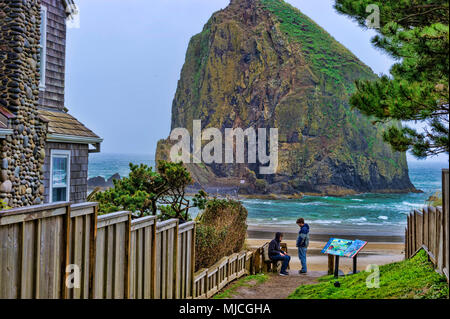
106	165
383	213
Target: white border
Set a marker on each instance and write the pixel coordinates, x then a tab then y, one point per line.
44	46
66	153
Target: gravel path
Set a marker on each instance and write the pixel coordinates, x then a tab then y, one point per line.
277	287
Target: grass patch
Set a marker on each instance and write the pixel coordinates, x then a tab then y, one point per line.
326	56
414	278
243	282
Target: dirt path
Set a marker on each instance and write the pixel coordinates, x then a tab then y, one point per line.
277	287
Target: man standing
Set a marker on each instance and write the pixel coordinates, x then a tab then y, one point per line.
276	254
302	243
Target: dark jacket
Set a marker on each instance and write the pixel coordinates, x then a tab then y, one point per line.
303	237
274	247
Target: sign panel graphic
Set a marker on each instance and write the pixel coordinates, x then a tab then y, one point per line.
343	247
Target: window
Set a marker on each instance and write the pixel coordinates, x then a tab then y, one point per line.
43	46
59	176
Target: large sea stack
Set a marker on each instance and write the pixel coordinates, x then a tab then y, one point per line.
264	64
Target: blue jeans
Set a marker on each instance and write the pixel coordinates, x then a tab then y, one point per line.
285	261
302	257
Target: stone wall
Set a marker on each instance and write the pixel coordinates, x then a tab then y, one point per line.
22	154
79	154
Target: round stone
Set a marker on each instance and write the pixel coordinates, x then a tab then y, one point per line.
25	141
42	153
22	190
4	175
6	187
5	163
17	172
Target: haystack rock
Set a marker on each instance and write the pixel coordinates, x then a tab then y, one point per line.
264	64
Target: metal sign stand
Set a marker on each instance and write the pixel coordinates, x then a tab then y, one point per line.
336	265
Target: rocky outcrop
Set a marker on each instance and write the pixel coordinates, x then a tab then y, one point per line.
100	181
264	64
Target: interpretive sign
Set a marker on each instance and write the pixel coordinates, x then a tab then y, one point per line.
343	247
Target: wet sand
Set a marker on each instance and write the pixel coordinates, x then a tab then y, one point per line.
380	249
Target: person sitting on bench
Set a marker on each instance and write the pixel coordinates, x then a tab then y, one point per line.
276	254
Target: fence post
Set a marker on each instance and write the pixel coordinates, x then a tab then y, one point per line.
426	227
92	254
66	244
406	243
419	220
445	213
193	259
127	257
257	261
413	233
407	230
435	232
411	236
175	261
206	284
153	261
440	239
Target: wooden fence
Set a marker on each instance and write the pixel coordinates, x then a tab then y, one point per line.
208	282
45	249
429	229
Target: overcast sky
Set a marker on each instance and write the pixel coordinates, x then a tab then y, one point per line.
124	61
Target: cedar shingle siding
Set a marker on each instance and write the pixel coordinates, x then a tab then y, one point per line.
78	170
53	95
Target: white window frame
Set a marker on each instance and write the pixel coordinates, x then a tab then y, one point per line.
59	153
43	46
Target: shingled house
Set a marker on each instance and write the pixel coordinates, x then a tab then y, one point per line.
44	150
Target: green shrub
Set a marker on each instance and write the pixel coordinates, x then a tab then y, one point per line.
435	200
221	231
145	191
3	205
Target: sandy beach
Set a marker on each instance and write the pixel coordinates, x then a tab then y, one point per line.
380	250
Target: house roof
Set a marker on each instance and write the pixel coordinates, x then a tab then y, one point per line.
62	124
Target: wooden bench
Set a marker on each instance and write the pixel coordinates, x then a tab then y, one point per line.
268	264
